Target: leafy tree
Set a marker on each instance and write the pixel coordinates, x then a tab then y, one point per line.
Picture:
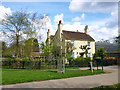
22	23
31	45
100	53
17	24
4	48
85	48
118	39
47	50
69	49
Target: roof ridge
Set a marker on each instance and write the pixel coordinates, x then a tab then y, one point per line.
73	31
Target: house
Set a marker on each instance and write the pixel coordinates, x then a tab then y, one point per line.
76	39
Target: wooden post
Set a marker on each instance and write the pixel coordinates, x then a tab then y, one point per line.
102	64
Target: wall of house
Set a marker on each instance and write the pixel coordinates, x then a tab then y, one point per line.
78	43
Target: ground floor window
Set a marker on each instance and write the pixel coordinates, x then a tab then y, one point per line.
89	55
72	54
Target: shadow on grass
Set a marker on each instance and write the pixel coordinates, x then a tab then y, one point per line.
52	71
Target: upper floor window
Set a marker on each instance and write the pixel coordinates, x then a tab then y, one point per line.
88	44
72	43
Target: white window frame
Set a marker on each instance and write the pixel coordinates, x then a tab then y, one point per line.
72	54
72	43
89	54
89	44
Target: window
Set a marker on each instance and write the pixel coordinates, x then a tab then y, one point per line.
72	54
89	44
89	55
72	43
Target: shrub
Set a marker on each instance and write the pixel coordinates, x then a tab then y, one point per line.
88	59
70	58
80	62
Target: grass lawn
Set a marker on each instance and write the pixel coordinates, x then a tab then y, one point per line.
12	76
107	86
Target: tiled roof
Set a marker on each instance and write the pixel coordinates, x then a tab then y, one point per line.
77	35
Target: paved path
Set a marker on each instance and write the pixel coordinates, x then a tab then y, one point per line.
76	82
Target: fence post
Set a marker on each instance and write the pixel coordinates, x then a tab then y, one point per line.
102	64
39	64
23	63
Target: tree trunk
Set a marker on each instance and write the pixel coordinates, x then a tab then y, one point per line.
91	66
17	46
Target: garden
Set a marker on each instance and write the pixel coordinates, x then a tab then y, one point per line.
12	76
22	65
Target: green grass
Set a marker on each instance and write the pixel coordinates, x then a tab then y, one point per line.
12	76
111	87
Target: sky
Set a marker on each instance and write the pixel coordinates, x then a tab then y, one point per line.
101	17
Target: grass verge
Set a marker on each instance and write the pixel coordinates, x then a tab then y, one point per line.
12	76
111	87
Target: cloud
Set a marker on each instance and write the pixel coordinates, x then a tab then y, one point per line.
76	19
3	12
58	17
96	31
104	7
112	20
79	18
74	27
83	16
99	33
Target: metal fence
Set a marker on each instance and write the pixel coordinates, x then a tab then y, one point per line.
29	64
15	64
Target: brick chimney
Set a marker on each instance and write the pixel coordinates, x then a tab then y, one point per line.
77	30
86	29
60	28
60	22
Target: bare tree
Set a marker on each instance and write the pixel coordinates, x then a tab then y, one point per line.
22	25
15	25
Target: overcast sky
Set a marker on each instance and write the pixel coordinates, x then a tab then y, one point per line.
101	17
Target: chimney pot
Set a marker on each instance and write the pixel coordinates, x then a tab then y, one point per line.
77	30
86	29
60	21
48	30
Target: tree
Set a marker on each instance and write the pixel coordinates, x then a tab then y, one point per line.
47	50
85	48
69	49
118	39
4	48
100	53
23	24
17	24
31	45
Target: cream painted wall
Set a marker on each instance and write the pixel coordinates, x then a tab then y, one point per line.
78	43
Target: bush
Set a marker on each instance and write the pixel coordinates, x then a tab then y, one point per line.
80	62
70	58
